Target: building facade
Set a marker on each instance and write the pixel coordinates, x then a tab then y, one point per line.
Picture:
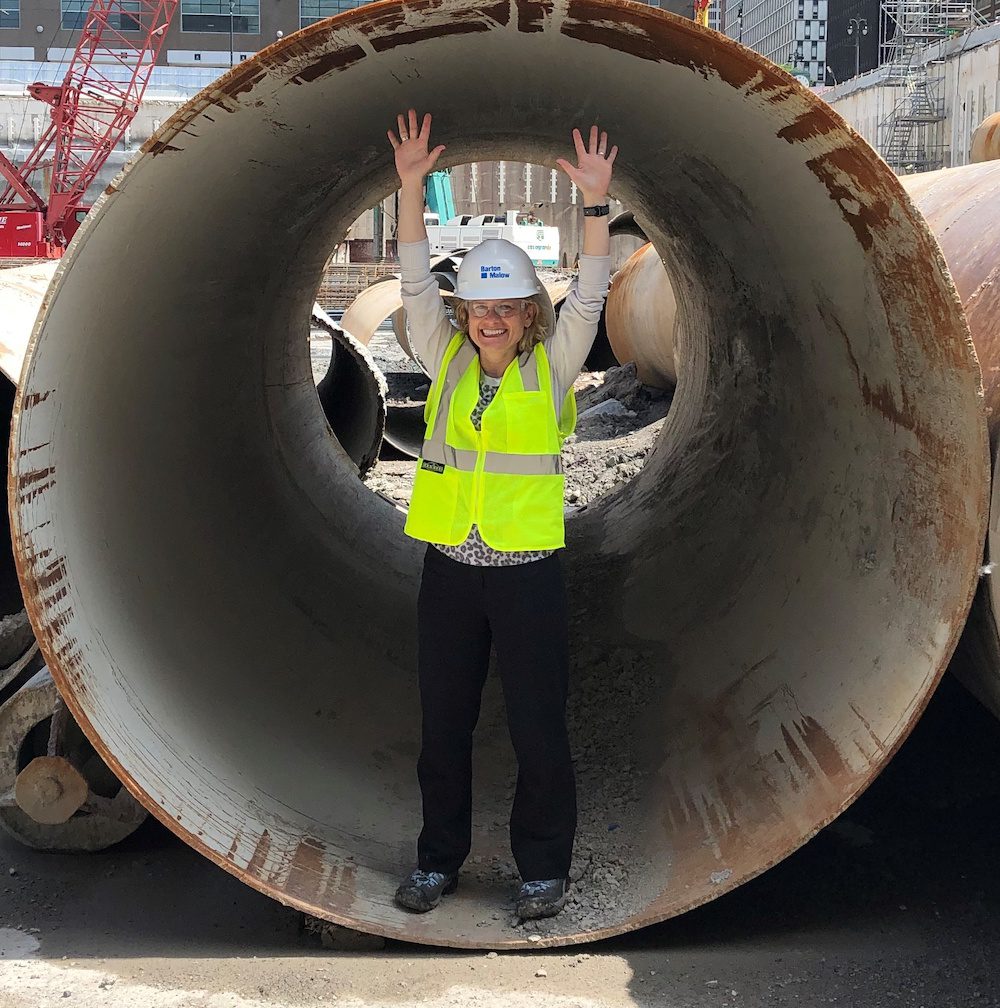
199	35
788	32
852	44
202	33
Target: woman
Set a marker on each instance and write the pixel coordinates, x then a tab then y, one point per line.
488	500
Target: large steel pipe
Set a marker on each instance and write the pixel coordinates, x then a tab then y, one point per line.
986	140
962	206
758	617
352	393
642	318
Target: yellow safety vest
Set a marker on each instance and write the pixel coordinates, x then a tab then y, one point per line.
506	478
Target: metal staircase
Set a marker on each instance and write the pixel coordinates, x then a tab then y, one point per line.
905	134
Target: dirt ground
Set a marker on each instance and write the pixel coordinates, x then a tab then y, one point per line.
896	904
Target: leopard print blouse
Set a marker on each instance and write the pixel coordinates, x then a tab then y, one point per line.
474	551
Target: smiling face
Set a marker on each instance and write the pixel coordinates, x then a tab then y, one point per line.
499	328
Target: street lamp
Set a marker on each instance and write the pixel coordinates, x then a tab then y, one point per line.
857	27
231	11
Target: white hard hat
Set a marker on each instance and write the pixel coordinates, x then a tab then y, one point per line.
497	268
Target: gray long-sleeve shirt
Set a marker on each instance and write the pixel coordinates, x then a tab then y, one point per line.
567	347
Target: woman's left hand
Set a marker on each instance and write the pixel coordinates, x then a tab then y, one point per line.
593	173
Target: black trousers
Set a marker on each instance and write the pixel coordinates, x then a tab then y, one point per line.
521	611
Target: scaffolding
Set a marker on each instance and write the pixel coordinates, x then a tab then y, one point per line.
907	138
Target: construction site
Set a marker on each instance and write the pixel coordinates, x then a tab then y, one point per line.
784	699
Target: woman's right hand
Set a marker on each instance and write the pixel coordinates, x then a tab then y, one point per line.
413	162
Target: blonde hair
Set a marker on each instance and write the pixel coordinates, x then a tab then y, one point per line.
537	332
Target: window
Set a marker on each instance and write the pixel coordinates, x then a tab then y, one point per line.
214	16
10	13
123	15
311	11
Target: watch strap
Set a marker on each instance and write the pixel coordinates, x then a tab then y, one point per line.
597	211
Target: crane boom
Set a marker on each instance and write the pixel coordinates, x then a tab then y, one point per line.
89	113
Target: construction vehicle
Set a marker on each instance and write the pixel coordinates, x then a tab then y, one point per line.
88	115
520	227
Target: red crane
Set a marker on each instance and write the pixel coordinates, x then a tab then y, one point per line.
89	113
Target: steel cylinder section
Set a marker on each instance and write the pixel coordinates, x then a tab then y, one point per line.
758	617
962	206
352	393
642	319
986	140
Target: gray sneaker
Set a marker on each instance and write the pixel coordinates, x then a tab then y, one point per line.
544	898
423	890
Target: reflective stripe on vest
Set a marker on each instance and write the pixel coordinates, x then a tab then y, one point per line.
507	477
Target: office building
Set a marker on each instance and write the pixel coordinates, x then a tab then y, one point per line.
787	32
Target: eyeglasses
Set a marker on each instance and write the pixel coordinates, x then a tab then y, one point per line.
504	310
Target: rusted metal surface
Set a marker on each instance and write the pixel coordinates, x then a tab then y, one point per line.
782	584
61	797
986	140
962	206
642	319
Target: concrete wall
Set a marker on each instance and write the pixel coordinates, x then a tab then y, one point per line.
968	71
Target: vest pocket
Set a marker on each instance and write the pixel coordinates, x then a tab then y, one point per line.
538	510
523	512
524	425
438	506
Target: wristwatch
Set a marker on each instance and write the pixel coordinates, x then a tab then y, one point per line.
596	211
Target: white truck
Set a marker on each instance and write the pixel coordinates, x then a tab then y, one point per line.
465	231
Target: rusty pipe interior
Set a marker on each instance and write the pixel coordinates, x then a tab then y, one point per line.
758	617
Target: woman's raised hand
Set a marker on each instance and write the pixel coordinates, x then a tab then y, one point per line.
413	162
592	174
